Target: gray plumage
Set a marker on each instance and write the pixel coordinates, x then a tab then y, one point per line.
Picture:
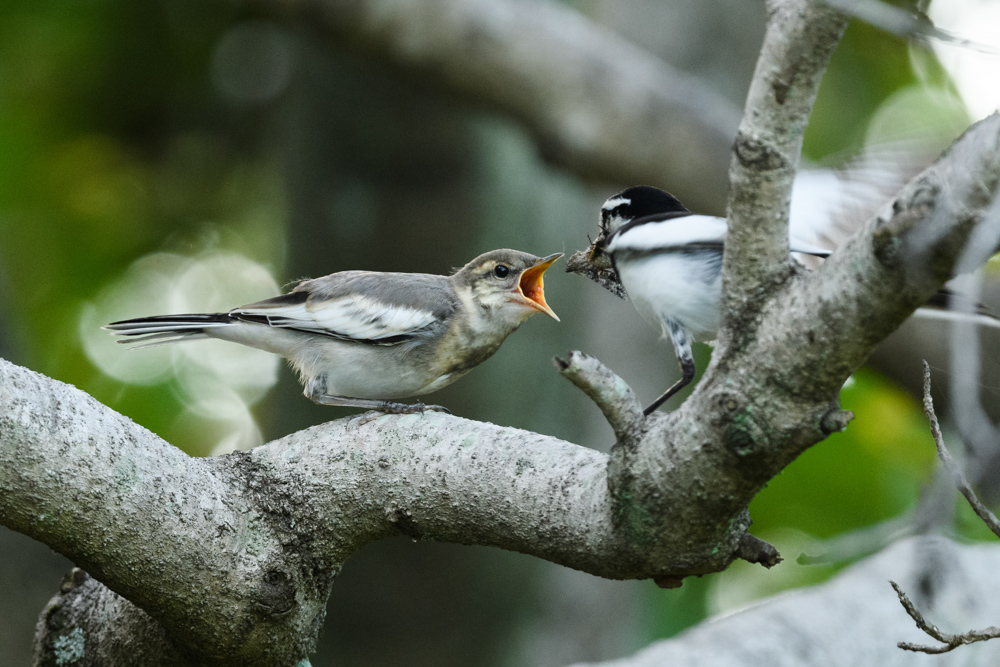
359	338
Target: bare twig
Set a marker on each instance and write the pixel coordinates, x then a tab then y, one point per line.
611	394
949	463
949	640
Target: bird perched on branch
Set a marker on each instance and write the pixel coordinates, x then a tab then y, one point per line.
668	260
360	338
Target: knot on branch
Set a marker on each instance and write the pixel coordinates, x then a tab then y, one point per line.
835	421
742	432
75	577
275	595
755	153
403	521
669	581
755	550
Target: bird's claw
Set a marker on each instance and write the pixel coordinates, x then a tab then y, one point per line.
421	408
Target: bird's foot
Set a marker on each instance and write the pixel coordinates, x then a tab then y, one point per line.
411	408
376	406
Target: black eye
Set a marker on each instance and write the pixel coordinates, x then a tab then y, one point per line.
501	270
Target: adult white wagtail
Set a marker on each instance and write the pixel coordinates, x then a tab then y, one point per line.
359	338
669	262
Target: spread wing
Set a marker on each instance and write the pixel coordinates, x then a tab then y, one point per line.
684	233
362	306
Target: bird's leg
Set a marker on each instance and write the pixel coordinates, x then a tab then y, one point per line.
391	407
315	392
685	358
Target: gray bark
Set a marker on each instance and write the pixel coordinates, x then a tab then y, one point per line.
854	619
230	560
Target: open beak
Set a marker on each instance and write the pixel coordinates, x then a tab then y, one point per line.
531	285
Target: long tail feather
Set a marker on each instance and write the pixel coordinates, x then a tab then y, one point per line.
166	329
144	343
939	307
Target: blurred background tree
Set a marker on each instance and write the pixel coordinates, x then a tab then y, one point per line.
176	156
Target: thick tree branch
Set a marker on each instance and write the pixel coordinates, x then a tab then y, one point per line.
762	403
801	37
169	532
234	556
596	104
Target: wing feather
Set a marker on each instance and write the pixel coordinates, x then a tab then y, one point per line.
329	307
688	232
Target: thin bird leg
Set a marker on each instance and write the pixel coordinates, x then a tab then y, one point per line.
685	358
391	407
314	390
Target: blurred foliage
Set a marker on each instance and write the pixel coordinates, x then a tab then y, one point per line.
115	145
868	67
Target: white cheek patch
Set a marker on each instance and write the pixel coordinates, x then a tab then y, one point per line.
686	230
673	233
615	202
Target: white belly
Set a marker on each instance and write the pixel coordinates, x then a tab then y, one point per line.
355	370
683	288
366	371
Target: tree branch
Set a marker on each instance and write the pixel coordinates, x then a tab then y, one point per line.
765	401
595	103
609	392
801	37
234	556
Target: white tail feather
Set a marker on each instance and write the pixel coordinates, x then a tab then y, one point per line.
161	327
957	316
142	345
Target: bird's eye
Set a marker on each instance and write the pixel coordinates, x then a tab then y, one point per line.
501	270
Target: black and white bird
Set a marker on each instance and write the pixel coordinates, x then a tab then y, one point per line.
361	338
669	261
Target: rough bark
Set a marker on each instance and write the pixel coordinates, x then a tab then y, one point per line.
595	103
800	38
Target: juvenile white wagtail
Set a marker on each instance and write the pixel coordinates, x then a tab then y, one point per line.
359	338
669	261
